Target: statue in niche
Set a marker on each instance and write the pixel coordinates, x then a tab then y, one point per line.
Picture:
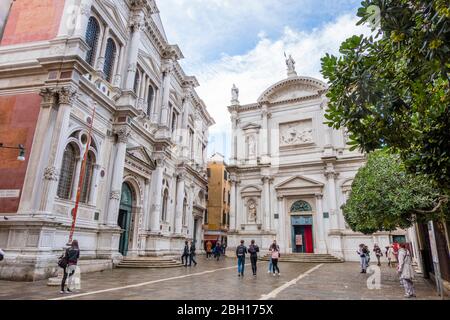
251	147
252	211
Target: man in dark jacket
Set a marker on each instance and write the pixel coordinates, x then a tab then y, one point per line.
253	249
186	254
241	250
192	255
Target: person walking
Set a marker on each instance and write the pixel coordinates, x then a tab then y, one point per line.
405	270
367	253
378	253
70	259
224	248
217	251
241	250
275	254
391	256
253	249
208	250
192	255
186	254
363	257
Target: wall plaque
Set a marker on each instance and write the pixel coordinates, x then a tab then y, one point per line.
5	193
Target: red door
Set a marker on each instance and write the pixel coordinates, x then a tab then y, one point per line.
309	247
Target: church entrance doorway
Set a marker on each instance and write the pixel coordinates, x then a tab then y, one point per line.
302	235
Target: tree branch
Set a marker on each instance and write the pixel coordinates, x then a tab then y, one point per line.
442	200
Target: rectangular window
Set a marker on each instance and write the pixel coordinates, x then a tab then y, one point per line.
206	217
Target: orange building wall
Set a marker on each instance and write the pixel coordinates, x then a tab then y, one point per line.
18	117
33	20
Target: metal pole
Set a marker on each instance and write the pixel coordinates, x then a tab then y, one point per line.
80	181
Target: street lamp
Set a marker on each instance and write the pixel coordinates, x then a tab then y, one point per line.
20	147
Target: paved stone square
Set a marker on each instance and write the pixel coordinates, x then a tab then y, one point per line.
212	280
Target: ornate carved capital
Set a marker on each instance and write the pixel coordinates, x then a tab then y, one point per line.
331	174
66	95
51	174
136	22
280	198
48	97
114	195
123	133
267	179
318	196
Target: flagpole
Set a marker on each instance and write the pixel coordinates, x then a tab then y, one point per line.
81	178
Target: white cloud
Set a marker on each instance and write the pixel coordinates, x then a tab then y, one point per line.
264	65
260	31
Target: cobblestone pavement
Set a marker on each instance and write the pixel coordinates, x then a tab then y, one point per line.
214	280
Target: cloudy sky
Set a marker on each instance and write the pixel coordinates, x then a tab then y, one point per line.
243	42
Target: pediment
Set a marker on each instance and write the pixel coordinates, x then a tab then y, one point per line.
111	9
149	63
293	89
141	155
299	182
250	189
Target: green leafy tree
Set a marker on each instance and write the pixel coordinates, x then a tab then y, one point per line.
392	89
385	197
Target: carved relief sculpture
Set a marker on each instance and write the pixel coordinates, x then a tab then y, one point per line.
296	133
251	210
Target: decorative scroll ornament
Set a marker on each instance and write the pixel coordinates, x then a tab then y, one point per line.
51	174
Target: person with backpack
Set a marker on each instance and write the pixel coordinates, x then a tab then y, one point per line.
253	249
208	249
367	253
217	251
378	253
362	254
192	255
241	250
186	254
69	263
270	256
275	254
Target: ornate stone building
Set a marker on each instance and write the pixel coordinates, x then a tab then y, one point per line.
145	183
290	173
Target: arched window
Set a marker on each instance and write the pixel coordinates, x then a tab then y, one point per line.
87	179
110	56
164	205
183	219
151	94
300	206
92	32
67	172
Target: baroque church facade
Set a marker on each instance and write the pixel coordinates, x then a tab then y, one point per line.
290	173
145	183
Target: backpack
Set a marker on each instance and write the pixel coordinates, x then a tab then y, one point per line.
241	250
253	249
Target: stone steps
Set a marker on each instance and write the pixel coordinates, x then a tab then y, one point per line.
147	262
306	258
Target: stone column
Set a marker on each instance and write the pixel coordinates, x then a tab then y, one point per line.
94	185
180	203
146	205
265	135
234	122
282	225
321	243
135	25
184	126
233	204
66	96
156	196
119	69
76	177
266	203
39	153
331	176
165	116
123	134
101	53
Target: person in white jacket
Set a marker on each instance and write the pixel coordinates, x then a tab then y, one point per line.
2	254
406	271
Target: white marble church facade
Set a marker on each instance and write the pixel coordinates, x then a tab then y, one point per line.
145	186
291	173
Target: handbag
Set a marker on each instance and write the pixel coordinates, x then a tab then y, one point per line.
63	261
